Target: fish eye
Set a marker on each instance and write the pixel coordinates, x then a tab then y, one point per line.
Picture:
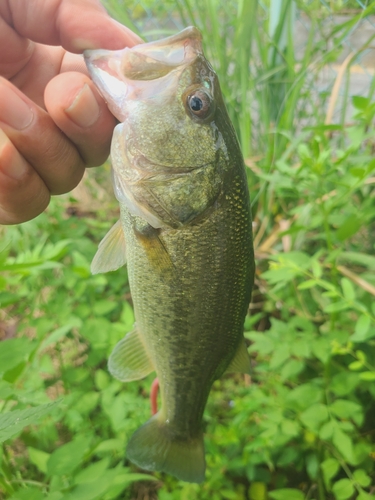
199	103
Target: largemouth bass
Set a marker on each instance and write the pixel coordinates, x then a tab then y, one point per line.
185	233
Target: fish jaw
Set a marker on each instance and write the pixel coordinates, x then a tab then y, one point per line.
114	72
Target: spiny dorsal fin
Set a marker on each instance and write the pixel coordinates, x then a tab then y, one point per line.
129	359
241	361
111	252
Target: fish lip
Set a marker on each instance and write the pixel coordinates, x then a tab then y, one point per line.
143	164
167	172
179	49
189	38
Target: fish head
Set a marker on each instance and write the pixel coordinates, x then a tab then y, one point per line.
166	150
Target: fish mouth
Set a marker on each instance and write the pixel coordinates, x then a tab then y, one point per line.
155	59
121	73
148	61
150	169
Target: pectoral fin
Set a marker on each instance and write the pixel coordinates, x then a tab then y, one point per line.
157	254
241	361
111	252
129	359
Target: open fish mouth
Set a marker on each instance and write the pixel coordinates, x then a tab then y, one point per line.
149	60
114	72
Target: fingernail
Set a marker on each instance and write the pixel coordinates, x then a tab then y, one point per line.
84	110
11	162
81	44
14	111
114	39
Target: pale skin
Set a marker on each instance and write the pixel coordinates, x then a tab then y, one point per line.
53	122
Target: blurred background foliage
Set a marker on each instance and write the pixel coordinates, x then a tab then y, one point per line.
298	81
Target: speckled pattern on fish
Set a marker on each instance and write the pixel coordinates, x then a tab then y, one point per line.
185	233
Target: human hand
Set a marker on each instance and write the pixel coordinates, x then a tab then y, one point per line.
53	122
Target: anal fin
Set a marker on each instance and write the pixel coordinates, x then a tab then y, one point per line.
111	252
129	359
241	360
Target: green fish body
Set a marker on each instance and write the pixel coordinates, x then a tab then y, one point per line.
185	233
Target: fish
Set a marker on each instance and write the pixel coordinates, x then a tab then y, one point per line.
185	233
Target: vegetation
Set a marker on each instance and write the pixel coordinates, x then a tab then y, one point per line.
303	426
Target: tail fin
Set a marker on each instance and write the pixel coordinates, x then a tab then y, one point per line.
152	447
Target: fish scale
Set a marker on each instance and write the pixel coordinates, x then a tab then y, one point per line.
185	234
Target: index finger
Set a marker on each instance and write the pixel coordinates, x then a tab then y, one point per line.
74	24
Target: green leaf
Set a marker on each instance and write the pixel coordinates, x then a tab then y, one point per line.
344	383
279	356
127	317
56	495
362	478
321	348
87	402
290	427
98	487
360	102
359	258
343	489
330	468
291	369
343	444
92	472
326	432
109	446
301	347
13	422
60	332
350	226
95	489
39	458
6	389
101	379
103	307
305	285
122	482
336	307
257	491
66	458
304	396
316	268
312	465
343	408
286	494
365	496
278	275
362	326
369	376
356	365
13	352
261	342
131	477
348	289
314	416
328	286
28	493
